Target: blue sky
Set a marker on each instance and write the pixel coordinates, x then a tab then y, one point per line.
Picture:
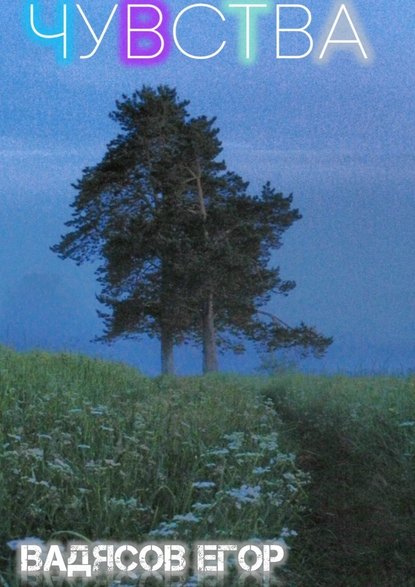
340	136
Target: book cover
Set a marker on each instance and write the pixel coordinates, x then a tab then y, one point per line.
207	311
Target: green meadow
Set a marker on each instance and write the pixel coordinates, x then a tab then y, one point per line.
95	450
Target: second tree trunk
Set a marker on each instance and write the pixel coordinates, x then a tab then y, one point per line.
210	358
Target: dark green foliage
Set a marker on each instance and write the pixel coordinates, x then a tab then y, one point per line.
126	212
185	249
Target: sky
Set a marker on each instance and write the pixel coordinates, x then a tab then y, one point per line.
339	135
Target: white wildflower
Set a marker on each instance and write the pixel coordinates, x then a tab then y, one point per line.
268	441
203	484
31	540
190	517
46	484
218	452
235	440
44	436
131	502
245	494
60	465
286	533
112	463
99	410
165	530
37	453
261	470
247	455
200	507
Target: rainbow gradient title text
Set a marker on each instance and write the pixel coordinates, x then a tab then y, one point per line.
149	31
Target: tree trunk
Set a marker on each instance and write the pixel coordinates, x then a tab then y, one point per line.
210	358
167	359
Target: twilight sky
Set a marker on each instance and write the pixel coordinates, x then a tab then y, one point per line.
340	136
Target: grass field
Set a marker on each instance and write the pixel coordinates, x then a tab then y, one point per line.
356	438
95	449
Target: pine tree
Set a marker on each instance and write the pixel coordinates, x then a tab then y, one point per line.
128	214
184	249
228	272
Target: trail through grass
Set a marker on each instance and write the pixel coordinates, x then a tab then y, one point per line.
96	449
356	437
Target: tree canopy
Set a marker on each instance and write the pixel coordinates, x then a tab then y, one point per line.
185	250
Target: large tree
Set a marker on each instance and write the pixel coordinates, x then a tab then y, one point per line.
185	250
127	213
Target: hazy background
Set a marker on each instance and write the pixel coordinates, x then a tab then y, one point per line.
340	136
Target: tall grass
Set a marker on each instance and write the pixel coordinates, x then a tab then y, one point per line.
356	437
95	449
99	450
